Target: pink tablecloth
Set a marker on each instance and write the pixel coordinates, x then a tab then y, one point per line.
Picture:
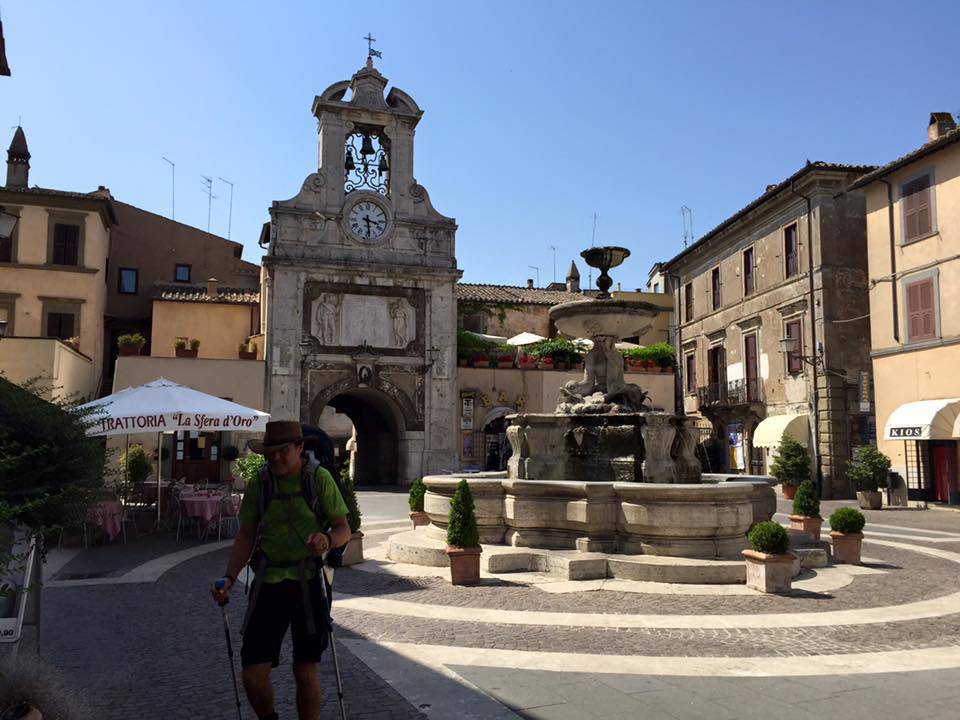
109	516
202	506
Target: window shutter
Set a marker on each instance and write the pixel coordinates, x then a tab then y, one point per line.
923	207
920	311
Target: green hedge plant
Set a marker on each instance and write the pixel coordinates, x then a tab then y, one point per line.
417	492
131	340
806	502
868	468
248	466
847	520
769	537
791	464
353	507
135	464
556	348
462	529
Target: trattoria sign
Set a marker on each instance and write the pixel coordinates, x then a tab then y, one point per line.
915	431
174	421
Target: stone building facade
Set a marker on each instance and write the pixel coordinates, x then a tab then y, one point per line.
773	325
913	235
358	299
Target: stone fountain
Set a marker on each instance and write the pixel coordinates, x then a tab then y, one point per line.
604	475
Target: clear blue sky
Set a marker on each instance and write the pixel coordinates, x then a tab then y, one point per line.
537	114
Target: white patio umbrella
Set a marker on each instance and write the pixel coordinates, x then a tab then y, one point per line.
499	339
525	338
163	406
588	344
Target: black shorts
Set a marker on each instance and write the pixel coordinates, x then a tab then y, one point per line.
280	605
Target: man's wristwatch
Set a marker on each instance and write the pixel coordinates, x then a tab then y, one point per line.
230	577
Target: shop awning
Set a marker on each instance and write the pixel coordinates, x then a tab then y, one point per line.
772	429
925	420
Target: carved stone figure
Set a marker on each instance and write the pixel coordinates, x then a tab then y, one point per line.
603	389
328	318
398	315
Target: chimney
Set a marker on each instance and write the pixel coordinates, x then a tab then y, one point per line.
573	278
18	161
529	283
212	287
940	124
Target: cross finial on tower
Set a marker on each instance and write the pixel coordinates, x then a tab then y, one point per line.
371	53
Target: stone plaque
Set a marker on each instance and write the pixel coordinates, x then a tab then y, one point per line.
348	320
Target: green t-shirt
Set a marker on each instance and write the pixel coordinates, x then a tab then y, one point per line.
289	522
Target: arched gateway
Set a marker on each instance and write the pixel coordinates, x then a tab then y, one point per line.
358	286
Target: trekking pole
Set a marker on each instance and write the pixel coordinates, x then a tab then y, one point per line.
226	631
327	603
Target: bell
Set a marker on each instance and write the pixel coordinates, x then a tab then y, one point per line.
367	147
382	165
348	164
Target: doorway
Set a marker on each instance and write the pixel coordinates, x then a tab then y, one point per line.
943	462
374	420
196	457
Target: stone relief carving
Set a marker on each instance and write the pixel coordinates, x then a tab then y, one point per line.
327	318
345	319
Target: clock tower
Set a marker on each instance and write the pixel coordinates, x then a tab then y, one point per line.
358	289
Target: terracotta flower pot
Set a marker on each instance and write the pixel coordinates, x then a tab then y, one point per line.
789	491
418	518
461	362
869	500
247	355
560	364
186	353
846	547
634	365
807	524
505	362
464	565
545	364
129	350
353	555
769	573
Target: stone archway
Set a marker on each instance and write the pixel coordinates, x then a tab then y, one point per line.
378	423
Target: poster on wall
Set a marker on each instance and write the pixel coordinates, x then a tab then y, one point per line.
467	445
737	457
466	411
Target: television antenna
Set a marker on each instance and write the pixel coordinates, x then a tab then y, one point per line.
207	183
230	216
554	248
173	187
534	267
687	215
593	242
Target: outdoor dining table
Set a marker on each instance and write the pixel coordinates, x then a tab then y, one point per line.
108	515
204	506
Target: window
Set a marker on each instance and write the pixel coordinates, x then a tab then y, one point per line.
60	325
656	287
688	302
690	362
790	251
921	318
715	288
6	318
792	329
476	322
66	244
127	280
181	273
917	209
748	272
6	249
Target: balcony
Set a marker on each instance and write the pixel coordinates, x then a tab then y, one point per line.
731	394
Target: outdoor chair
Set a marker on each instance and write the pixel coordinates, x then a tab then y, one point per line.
128	515
229	513
182	518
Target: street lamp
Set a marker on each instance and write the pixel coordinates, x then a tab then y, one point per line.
8	222
791	346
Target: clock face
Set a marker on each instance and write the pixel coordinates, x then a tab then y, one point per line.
367	220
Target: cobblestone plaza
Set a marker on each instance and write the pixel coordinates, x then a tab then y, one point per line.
131	628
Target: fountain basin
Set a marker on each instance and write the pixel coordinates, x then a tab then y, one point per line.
611	318
705	520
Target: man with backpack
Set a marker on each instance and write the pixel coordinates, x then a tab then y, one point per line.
284	521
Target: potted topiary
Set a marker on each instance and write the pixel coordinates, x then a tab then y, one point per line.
182	351
130	344
245	353
353	554
663	355
791	465
463	538
769	564
415	499
504	357
806	510
194	344
527	362
633	360
846	531
867	470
